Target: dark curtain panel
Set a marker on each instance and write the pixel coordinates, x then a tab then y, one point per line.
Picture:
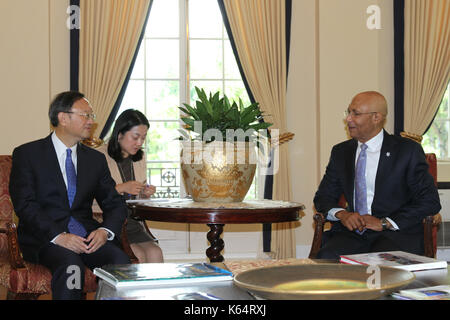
116	107
399	68
268	183
74	52
288	33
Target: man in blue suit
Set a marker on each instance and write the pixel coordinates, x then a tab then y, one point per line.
52	185
385	181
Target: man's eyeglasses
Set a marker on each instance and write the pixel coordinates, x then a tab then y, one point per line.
88	116
355	114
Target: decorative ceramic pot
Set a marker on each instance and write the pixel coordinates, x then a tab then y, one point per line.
218	171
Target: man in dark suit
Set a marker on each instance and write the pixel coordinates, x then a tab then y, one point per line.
385	181
52	185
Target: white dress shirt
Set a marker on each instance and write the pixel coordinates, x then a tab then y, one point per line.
61	154
373	157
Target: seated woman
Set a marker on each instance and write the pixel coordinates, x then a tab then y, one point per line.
127	163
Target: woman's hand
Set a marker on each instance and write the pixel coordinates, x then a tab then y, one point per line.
147	191
130	187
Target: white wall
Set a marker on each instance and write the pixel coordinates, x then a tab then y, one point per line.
33	67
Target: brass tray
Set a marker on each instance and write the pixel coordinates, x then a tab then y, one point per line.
322	281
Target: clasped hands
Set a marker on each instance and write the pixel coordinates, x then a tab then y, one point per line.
95	240
355	221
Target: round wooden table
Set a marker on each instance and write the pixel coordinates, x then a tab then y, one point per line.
216	215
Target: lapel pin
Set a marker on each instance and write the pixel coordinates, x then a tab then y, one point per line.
388	154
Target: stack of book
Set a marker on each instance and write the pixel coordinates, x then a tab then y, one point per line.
428	293
157	274
396	259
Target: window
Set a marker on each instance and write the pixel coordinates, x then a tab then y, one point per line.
185	45
436	140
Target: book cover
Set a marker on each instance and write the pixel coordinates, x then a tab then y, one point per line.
148	274
428	293
396	259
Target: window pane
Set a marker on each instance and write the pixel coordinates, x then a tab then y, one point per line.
138	70
206	59
235	89
162	141
231	66
436	138
163	20
205	19
208	86
166	178
134	97
253	191
163	100
443	108
162	59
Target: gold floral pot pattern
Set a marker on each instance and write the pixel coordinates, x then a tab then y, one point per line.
218	171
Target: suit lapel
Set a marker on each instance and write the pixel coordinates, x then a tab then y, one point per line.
54	168
81	169
350	154
385	163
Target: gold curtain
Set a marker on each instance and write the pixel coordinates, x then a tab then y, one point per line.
259	31
427	61
109	35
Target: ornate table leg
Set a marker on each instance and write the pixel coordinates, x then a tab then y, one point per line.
217	244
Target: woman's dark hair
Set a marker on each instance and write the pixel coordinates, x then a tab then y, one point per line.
127	120
63	102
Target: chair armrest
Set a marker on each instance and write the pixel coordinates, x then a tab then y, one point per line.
15	256
319	222
430	227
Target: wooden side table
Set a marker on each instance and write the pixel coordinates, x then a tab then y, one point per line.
216	215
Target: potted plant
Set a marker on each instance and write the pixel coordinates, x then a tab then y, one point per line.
218	147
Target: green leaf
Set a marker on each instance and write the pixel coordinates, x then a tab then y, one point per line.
189	122
221	113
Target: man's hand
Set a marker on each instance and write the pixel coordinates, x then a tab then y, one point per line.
351	220
372	222
72	242
96	240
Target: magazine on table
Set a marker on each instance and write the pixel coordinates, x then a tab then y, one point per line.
397	259
155	274
441	292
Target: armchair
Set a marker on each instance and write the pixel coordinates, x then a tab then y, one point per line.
430	223
24	280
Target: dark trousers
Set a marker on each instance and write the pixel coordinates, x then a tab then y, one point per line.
68	267
345	242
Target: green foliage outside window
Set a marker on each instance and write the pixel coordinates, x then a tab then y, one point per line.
436	138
